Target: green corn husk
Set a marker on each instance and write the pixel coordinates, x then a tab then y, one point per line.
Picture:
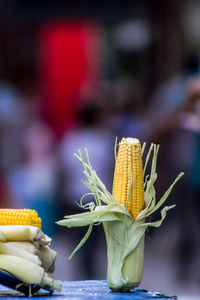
125	255
124	236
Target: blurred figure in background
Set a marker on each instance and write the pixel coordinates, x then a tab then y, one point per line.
99	140
5	192
13	117
189	243
34	181
68	65
128	110
175	125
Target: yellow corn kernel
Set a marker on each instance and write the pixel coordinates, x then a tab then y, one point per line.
129	161
10	216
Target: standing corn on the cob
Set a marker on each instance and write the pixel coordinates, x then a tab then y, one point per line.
24	248
122	213
128	189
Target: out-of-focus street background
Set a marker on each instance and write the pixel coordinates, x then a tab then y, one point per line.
77	74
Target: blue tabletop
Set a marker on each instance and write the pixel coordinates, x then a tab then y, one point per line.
87	289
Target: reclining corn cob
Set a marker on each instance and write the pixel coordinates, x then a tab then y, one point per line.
11	221
10	216
7	248
23	233
122	213
47	257
28	272
24	250
24	246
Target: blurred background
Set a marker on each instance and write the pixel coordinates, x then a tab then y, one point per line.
76	74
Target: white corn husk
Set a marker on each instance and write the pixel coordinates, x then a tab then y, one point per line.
23	233
6	248
124	236
43	256
23	269
125	255
28	272
25	246
48	257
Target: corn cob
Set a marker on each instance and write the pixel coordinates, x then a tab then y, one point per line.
43	255
23	269
27	271
7	248
24	246
19	217
128	185
24	233
47	256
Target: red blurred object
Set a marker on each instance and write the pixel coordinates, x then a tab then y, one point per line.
68	67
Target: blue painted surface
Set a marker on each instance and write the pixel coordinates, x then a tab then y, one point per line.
87	290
